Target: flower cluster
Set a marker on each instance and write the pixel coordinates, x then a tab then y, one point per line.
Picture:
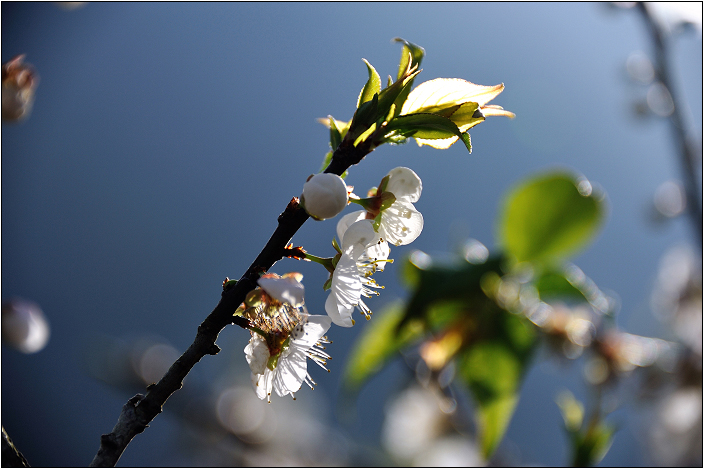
389	217
436	113
283	334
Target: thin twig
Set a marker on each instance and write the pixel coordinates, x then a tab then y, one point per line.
686	148
140	410
11	456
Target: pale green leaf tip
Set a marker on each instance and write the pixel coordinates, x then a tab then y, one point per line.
467	141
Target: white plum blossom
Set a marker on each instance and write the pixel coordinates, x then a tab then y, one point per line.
19	82
400	223
287	289
324	195
375	256
284	335
351	279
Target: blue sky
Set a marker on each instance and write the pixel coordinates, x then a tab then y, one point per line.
166	138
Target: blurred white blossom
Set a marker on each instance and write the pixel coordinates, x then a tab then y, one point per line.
24	326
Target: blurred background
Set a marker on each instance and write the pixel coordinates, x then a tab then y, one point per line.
165	139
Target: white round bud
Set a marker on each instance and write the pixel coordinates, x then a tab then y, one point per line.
324	195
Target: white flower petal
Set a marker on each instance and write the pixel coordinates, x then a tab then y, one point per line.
339	314
376	252
405	184
286	290
309	331
263	384
257	354
358	236
348	220
290	372
401	223
345	291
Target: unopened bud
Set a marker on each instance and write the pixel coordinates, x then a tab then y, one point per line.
324	196
18	84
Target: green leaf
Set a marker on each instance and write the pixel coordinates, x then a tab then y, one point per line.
464	115
554	285
427	126
446	283
364	117
467	140
546	218
391	95
467	116
378	344
373	85
594	444
326	161
493	369
335	135
415	53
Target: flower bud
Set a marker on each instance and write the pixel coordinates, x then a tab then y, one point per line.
324	195
18	84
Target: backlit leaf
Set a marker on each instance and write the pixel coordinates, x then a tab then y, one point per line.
373	85
427	126
445	92
493	369
378	344
413	53
548	218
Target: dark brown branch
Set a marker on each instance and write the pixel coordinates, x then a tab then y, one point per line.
11	456
140	410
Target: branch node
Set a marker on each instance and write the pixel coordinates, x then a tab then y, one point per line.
213	349
240	321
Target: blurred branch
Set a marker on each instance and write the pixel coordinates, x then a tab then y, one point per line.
140	410
687	151
11	456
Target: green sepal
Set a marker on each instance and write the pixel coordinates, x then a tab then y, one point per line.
328	284
373	86
383	184
336	246
377	222
272	362
387	199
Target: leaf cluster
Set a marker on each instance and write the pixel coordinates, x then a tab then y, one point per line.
477	313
